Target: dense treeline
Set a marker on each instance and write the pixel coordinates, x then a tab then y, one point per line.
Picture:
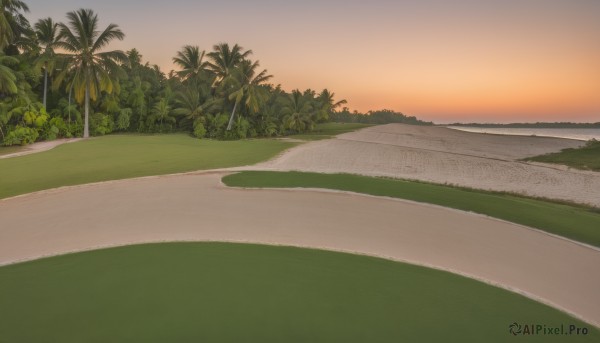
540	125
59	80
375	117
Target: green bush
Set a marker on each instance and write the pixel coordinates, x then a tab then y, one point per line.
592	143
101	124
123	120
34	117
239	130
55	128
21	135
199	129
216	124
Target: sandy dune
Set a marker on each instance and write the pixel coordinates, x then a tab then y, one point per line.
198	207
442	155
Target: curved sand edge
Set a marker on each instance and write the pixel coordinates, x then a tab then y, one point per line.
324	248
41	146
510	256
445	156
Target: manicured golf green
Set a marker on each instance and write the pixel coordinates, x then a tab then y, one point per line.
125	156
219	292
577	223
328	130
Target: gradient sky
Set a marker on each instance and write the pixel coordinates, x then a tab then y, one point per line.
440	60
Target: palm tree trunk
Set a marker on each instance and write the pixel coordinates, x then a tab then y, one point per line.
45	84
86	128
232	115
70	90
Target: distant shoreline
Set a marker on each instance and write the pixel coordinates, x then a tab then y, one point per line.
538	125
576	133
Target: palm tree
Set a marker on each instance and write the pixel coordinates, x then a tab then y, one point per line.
194	102
8	79
135	59
161	113
92	71
137	97
298	111
46	31
12	21
328	104
191	60
247	84
224	59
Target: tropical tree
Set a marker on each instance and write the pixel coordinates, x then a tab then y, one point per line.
194	102
8	79
67	110
137	100
91	69
298	111
192	62
247	84
161	113
224	59
46	31
327	104
12	21
135	59
5	116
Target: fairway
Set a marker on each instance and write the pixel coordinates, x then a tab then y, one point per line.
577	223
127	156
208	292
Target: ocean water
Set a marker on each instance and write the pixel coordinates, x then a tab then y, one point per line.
578	134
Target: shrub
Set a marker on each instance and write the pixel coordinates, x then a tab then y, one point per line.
592	143
199	130
101	124
123	120
21	136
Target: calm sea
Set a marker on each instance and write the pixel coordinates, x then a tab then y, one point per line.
579	134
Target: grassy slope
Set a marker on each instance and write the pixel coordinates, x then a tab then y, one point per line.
587	157
328	130
577	223
5	150
218	292
126	156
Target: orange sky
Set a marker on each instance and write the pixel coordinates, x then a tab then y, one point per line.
486	61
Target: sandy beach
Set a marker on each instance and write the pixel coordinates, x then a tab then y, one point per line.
446	156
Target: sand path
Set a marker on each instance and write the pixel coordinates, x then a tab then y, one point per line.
40	146
442	155
198	207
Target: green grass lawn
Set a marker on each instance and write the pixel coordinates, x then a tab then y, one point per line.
219	292
587	157
126	156
328	130
5	150
578	223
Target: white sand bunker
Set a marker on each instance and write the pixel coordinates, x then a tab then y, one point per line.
198	208
442	155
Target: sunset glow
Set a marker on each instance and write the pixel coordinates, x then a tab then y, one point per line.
485	61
